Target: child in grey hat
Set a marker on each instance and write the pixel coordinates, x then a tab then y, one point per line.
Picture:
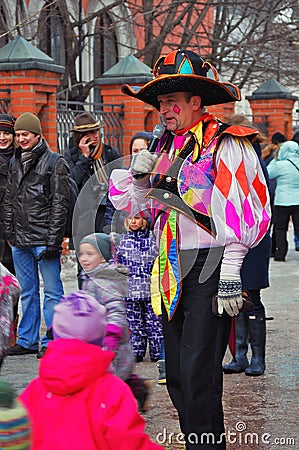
107	281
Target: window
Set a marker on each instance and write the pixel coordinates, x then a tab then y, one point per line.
3	26
51	34
105	45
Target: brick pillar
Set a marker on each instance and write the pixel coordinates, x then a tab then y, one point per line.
279	113
34	91
138	116
222	110
32	78
276	104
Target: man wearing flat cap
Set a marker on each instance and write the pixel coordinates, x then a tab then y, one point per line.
207	195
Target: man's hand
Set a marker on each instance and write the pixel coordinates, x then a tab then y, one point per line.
230	296
51	252
84	146
143	163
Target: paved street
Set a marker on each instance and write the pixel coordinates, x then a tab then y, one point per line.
260	413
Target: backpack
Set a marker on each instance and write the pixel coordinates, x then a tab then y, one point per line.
74	192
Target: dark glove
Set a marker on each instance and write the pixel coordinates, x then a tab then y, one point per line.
51	252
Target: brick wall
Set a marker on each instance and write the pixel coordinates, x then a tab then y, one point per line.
138	116
278	112
34	90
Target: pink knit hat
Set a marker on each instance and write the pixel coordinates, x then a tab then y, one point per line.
80	316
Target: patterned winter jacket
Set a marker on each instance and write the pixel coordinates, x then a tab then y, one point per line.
108	284
9	295
137	250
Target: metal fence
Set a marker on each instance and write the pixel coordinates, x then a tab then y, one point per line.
262	123
111	119
4	100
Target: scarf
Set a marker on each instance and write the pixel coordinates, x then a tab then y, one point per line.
29	157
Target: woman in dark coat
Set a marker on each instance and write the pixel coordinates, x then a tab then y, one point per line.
251	326
7	135
7	149
270	152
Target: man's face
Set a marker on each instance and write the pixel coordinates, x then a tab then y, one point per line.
92	137
178	112
27	140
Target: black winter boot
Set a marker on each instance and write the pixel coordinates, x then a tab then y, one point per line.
240	362
257	339
162	371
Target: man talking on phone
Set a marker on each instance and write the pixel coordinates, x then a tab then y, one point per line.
91	162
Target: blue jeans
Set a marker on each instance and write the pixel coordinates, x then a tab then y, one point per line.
27	272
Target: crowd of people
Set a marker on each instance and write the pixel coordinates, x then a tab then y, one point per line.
168	251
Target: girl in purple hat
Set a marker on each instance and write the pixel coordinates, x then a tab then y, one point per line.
76	402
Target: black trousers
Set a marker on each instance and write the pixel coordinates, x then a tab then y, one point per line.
195	342
282	215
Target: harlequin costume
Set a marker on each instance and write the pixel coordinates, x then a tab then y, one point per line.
209	204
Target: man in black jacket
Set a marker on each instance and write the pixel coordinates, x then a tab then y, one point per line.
35	210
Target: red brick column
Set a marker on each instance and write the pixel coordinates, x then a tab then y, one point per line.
278	112
34	90
138	116
222	110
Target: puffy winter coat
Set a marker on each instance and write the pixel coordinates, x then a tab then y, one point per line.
76	404
137	250
35	206
109	285
286	174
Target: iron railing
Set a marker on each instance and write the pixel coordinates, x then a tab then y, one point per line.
111	118
4	100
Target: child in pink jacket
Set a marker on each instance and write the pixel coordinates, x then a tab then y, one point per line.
76	403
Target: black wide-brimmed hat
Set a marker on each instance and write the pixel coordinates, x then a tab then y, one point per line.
184	71
85	122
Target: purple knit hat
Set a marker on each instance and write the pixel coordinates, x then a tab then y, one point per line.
80	316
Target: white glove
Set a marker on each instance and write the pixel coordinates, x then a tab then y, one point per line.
230	296
143	163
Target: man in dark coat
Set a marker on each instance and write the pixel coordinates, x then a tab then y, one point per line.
35	213
91	162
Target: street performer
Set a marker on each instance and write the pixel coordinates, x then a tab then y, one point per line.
209	203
